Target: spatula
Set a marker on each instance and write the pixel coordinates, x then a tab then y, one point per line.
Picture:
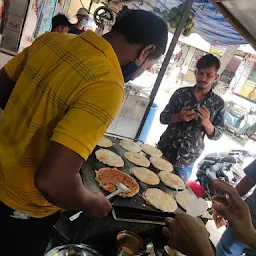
121	188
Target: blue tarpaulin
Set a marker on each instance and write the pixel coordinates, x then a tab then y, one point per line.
209	22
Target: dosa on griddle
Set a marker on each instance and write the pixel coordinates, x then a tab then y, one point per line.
161	164
182	198
145	175
109	177
172	180
130	146
105	142
160	200
137	159
109	158
150	150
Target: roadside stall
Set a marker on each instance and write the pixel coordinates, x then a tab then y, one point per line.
139	211
138	214
142	212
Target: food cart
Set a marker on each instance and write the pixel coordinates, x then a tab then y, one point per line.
134	215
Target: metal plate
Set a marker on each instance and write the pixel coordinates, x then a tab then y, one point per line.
126	208
73	249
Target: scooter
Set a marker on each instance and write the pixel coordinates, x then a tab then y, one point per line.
226	166
240	122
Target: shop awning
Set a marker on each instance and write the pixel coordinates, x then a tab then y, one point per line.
209	22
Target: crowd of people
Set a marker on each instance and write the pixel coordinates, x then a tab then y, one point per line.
60	95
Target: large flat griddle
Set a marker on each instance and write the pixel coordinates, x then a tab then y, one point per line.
134	209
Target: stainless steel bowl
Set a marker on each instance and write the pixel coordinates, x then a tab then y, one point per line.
73	250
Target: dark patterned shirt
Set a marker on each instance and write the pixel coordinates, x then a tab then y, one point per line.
183	142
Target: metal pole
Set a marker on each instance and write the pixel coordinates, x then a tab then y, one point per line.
90	6
166	61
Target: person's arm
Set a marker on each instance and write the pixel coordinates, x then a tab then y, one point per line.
249	181
214	130
9	74
59	181
73	141
188	235
245	185
236	211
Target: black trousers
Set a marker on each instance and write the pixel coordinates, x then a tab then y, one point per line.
24	237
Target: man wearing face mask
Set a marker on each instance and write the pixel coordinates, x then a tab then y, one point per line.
82	21
55	112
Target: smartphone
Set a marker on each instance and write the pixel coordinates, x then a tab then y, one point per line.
194	108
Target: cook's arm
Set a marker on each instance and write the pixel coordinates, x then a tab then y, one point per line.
59	180
74	139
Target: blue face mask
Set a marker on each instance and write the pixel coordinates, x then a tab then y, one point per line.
129	71
84	22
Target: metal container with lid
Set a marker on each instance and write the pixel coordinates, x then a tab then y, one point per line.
130	244
73	250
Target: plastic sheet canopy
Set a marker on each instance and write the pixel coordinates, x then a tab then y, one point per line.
209	23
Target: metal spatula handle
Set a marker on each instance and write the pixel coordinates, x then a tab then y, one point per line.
75	216
113	194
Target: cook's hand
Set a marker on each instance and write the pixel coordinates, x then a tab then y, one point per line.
187	115
99	207
187	235
204	115
235	210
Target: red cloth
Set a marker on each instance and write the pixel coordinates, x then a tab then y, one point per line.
196	188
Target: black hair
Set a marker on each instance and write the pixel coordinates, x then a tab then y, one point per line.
144	28
207	61
60	20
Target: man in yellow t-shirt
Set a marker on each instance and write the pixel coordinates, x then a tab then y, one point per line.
59	96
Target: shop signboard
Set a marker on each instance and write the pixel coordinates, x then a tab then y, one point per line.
218	49
248	88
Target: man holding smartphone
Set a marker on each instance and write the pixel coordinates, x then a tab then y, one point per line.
192	113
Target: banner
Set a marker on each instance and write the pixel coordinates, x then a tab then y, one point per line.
249	88
218	49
